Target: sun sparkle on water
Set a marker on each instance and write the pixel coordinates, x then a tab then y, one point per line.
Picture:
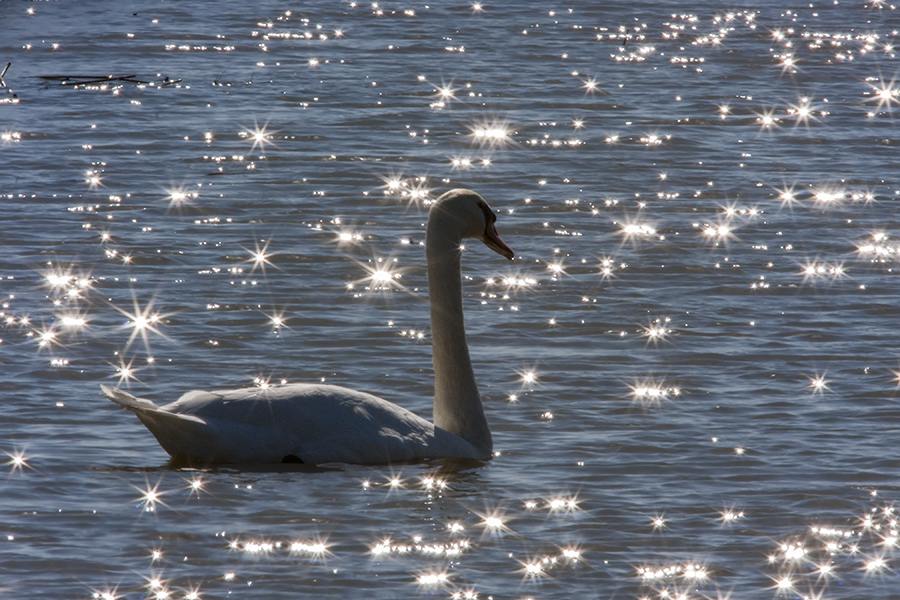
492	134
528	377
259	257
150	497
17	461
260	136
142	322
494	522
180	197
818	384
125	371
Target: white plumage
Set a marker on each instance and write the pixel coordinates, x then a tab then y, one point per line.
317	424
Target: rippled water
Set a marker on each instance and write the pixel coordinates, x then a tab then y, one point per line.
690	369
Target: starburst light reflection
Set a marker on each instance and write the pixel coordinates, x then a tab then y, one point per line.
260	136
395	482
433	579
885	94
556	267
538	567
493	133
879	247
767	120
876	564
195	485
46	337
896	374
562	503
818	384
608	267
277	320
64	282
259	547
494	522
158	587
729	515
92	179
788	63
658	522
125	371
193	593
262	382
72	321
787	197
315	549
533	569
347	236
802	113
394	184
528	377
829	196
259	257
634	230
17	461
10	136
824	571
417	193
590	85
689	572
445	92
415	190
142	321
383	276
650	393
106	593
718	233
180	197
430	483
656	331
150	497
815	270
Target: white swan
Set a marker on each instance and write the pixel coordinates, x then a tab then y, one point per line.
317	424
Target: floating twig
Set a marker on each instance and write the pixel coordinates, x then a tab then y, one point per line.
92	79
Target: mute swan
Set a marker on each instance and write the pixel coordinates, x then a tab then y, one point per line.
317	424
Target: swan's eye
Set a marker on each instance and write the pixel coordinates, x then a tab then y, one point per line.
489	215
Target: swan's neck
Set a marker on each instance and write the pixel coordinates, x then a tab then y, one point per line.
457	404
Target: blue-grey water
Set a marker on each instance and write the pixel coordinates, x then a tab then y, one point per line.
690	369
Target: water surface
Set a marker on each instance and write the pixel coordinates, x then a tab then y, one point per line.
690	369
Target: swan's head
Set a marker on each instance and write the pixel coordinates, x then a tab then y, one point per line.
471	215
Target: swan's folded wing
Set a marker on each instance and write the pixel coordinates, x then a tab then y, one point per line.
365	431
219	441
214	440
192	402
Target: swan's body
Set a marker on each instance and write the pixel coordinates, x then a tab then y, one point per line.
317	424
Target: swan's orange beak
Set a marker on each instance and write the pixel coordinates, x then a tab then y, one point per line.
492	240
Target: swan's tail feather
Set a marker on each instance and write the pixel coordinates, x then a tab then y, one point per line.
126	400
178	434
145	408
